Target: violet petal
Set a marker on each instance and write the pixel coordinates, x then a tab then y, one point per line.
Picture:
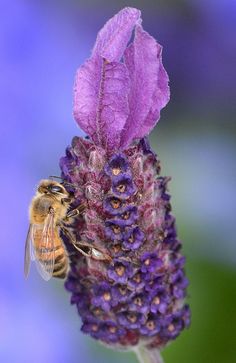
112	39
149	86
100	100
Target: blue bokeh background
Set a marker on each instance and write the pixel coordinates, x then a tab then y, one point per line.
41	45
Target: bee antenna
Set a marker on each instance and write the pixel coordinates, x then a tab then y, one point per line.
63	180
55	177
67	183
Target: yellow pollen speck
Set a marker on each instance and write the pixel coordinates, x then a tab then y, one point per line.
138	301
131	239
112	329
156	300
94	327
120	270
116	248
116	171
115	203
132	318
150	325
137	278
116	229
97	311
126	215
171	328
121	188
107	296
122	290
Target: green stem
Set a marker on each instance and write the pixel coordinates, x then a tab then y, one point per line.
148	355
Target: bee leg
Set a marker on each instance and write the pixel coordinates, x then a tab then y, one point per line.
73	213
68	234
76	211
93	252
85	250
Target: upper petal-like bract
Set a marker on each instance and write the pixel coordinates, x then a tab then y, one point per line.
114	36
120	90
149	91
100	99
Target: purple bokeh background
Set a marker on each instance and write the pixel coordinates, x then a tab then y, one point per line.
41	45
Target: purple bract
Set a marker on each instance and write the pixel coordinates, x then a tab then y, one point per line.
120	90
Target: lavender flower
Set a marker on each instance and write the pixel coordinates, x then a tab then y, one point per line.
133	238
134	298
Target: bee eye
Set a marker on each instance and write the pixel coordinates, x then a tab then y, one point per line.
55	189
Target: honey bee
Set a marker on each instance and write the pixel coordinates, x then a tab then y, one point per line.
49	217
43	243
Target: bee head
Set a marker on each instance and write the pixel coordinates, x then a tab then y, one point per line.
52	187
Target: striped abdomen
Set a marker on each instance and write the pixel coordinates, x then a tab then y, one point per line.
53	256
61	261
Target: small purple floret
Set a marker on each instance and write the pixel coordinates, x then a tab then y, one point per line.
140	303
116	165
131	319
138	281
174	323
102	296
120	294
123	186
150	262
133	238
152	326
159	301
113	205
112	332
120	272
92	327
113	230
128	216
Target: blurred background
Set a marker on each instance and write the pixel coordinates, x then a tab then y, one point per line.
41	45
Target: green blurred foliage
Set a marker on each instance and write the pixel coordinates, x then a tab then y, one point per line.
211	337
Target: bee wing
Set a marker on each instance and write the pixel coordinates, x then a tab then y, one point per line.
45	256
28	251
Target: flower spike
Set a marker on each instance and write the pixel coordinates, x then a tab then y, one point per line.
127	276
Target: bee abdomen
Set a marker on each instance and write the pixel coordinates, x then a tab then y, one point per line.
61	260
61	265
45	250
